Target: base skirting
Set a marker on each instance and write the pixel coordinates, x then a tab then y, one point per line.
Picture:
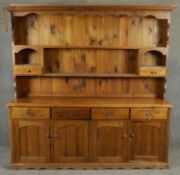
129	165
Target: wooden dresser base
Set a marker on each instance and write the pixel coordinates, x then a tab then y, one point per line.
129	165
134	123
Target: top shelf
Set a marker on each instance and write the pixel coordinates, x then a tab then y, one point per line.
92	30
80	8
17	48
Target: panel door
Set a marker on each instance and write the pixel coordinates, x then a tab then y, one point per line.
31	143
149	141
71	141
110	141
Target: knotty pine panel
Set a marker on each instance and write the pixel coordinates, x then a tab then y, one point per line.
33	32
109	87
90	30
90	61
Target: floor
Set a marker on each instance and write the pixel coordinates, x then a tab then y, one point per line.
174	169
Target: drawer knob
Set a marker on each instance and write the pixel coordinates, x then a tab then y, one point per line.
30	113
149	115
48	136
125	136
132	136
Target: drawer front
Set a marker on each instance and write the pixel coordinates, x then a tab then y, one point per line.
71	113
36	113
153	72
110	113
28	70
148	113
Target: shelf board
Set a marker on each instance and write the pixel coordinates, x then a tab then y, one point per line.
28	65
90	74
18	47
153	67
100	75
72	47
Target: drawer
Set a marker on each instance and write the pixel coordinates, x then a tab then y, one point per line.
28	70
71	113
110	113
153	71
37	113
148	113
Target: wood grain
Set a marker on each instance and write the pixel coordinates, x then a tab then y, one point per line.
89	84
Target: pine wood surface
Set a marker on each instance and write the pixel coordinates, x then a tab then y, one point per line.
90	102
130	165
89	86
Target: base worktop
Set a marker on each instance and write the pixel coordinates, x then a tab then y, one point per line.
90	102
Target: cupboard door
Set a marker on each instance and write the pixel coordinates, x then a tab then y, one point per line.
71	140
149	141
110	141
31	143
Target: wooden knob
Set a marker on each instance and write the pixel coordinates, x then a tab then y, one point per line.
48	136
30	113
149	115
132	136
125	136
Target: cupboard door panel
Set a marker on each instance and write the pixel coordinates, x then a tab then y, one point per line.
71	141
110	141
31	144
149	141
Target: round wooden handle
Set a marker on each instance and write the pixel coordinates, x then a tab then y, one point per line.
48	136
132	136
30	113
149	115
125	136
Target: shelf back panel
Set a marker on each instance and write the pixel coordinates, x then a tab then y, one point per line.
89	87
90	30
90	61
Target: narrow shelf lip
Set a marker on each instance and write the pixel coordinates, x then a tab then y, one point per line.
95	74
28	65
72	47
152	67
89	75
85	7
86	47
